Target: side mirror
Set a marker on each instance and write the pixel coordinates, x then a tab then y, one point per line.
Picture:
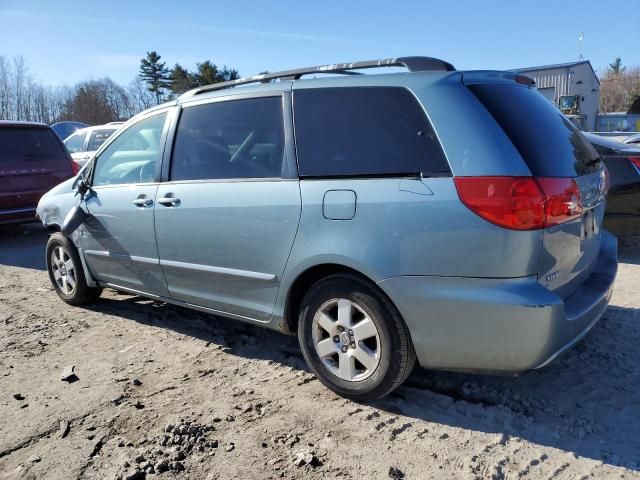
73	220
81	184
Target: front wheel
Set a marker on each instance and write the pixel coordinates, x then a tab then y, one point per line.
65	272
353	338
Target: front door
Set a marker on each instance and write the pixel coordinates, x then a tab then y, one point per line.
227	217
118	240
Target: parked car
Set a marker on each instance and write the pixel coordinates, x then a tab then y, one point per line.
633	139
84	143
64	129
32	161
365	223
622	215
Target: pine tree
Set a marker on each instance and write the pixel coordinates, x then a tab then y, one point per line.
616	67
181	79
209	73
155	74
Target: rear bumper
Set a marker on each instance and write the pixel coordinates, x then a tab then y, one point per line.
18	215
499	325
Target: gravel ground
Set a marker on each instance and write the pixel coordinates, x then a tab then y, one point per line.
163	392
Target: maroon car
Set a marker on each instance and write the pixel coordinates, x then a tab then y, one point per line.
32	161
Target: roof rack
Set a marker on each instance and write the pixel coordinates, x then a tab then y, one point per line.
413	64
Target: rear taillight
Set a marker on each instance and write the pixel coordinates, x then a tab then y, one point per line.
562	200
75	168
521	203
635	161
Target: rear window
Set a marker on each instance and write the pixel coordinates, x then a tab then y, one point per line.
29	145
548	142
97	138
364	131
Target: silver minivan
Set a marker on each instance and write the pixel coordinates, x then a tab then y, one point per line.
447	216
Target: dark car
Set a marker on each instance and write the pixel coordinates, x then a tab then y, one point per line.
633	140
32	161
64	129
622	215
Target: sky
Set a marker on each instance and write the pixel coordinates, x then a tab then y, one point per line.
66	41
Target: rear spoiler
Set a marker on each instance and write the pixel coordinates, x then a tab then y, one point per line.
496	76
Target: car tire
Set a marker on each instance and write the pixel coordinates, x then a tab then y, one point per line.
353	338
66	273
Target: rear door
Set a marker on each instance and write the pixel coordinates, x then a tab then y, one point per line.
32	161
553	147
228	214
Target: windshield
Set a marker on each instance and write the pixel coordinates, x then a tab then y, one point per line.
75	143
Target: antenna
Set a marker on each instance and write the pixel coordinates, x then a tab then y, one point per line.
580	43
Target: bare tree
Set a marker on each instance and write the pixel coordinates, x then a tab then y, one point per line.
140	98
5	88
94	101
619	90
98	101
20	87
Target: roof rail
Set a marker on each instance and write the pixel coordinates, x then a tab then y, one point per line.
413	64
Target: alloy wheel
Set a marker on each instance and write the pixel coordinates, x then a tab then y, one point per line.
63	269
346	339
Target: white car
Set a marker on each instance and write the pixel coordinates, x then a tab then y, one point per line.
84	143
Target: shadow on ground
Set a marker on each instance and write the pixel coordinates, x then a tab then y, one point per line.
23	246
586	402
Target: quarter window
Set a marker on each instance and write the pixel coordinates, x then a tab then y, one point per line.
231	139
132	157
364	131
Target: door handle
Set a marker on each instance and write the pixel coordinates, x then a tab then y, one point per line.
143	202
169	200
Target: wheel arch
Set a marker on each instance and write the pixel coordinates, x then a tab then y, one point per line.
307	278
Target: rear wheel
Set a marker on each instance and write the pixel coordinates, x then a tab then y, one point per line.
65	272
353	338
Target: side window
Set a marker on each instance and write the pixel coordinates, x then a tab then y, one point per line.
132	157
230	139
75	143
364	131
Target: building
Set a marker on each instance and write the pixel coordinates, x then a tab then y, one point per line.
573	87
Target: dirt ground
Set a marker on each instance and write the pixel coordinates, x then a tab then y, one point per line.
182	394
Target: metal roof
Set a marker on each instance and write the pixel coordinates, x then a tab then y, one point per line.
557	65
552	66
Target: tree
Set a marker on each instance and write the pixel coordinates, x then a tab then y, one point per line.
616	67
98	101
619	90
140	98
181	79
209	73
155	74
